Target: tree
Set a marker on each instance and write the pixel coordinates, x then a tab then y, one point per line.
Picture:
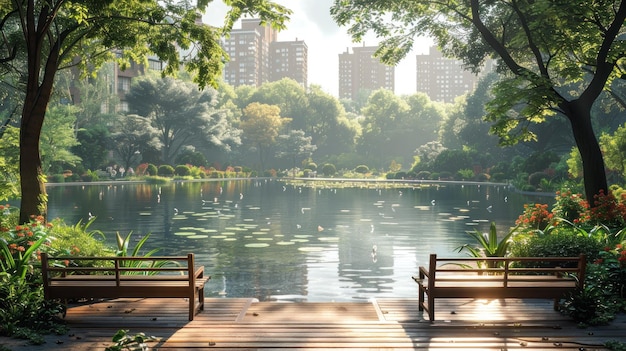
261	124
58	138
180	112
52	34
93	146
293	145
614	147
385	129
9	163
556	64
132	135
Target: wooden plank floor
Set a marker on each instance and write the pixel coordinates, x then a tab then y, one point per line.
383	324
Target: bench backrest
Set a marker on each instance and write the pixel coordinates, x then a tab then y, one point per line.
505	267
125	267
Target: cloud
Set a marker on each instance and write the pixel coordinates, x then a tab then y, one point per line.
319	13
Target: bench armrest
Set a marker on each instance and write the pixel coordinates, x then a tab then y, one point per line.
423	272
199	273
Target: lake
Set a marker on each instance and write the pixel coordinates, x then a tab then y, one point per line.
274	241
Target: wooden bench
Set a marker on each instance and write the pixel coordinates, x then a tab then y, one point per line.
498	278
117	277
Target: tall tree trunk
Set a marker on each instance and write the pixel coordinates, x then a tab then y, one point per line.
41	71
594	173
34	198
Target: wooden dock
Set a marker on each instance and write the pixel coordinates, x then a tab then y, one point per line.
382	324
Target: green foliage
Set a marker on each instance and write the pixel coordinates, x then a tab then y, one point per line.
465	174
557	241
329	169
23	311
182	170
58	137
152	170
77	240
123	341
536	178
166	171
190	157
604	290
362	169
489	245
9	163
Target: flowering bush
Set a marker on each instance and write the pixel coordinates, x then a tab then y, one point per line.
569	206
21	246
535	216
607	210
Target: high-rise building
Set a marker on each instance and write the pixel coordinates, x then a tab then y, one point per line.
288	59
257	57
360	71
443	79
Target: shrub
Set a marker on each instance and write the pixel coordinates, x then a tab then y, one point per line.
166	171
312	166
182	170
535	216
564	241
423	175
465	174
56	178
363	169
152	170
90	176
329	169
534	179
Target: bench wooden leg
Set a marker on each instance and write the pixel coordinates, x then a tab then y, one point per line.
192	307
201	299
431	308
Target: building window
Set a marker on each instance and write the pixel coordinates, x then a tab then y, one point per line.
123	84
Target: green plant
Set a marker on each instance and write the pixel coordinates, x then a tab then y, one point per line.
488	243
124	341
123	251
23	310
556	241
152	170
166	171
19	248
77	240
615	345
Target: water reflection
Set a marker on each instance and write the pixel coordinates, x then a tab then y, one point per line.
270	240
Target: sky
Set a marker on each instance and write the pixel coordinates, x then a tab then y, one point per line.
311	22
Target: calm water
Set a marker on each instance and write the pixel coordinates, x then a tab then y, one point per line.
274	241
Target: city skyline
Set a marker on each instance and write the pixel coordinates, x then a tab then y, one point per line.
311	22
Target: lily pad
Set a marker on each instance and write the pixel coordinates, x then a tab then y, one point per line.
257	245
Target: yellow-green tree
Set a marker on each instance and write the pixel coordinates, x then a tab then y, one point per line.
261	125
